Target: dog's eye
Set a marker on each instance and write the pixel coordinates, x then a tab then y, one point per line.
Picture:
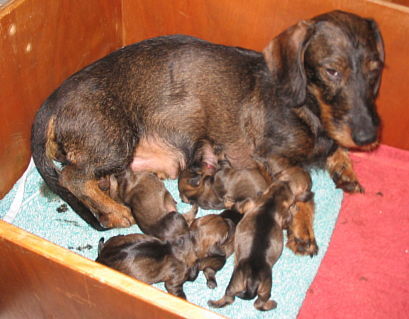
334	74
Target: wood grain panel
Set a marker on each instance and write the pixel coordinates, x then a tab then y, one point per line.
252	24
42	43
41	280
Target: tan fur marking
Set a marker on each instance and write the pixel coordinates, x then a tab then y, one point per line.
343	134
51	147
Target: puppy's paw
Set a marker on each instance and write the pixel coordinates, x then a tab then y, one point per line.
211	283
265	306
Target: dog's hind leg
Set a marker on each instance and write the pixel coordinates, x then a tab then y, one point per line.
340	168
109	213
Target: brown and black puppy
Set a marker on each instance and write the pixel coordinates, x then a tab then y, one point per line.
258	245
303	101
150	260
225	188
213	237
152	206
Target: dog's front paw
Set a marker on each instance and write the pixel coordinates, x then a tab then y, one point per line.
302	246
300	233
348	183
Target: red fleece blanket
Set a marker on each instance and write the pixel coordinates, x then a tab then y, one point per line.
365	273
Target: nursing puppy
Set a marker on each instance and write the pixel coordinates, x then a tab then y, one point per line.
225	188
228	187
258	245
303	101
150	260
152	206
213	238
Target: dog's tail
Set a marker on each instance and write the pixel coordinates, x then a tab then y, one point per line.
42	144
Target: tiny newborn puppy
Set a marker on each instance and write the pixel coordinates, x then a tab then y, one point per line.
150	260
152	206
213	238
225	188
258	245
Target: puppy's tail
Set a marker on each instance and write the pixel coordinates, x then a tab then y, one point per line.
44	149
100	245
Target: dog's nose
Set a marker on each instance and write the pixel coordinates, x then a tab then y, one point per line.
365	136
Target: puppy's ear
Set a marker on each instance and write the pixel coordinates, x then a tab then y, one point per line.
284	56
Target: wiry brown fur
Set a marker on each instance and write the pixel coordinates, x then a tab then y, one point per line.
258	245
213	237
149	259
309	94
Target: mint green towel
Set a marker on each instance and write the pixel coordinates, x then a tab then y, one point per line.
38	212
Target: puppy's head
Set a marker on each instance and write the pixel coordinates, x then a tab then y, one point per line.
175	230
338	59
344	62
197	188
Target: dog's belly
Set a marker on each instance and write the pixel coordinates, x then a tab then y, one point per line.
240	155
154	155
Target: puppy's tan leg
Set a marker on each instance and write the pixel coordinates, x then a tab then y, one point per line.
340	168
301	238
109	213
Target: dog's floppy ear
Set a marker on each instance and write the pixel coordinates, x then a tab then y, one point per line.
379	48
284	56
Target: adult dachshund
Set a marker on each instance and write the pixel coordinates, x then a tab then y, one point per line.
303	101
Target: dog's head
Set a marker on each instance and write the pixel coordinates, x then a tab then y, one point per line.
336	59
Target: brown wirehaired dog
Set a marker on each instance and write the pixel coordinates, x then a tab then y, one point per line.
149	259
213	238
303	101
258	245
152	206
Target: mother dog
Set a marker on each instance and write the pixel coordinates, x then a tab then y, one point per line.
303	101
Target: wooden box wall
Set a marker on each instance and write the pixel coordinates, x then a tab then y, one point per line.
43	42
